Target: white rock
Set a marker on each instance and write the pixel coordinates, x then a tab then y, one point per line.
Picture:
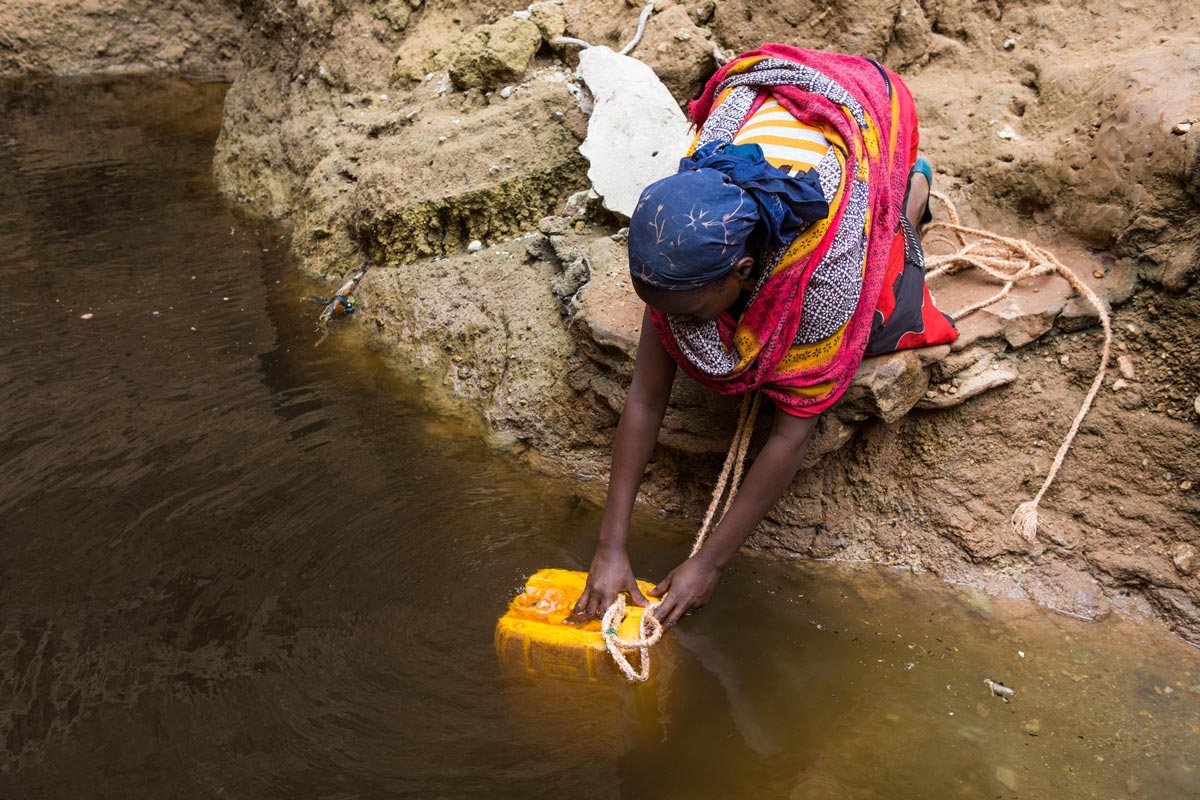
979	381
475	246
506	91
1125	366
1007	133
1119	384
636	134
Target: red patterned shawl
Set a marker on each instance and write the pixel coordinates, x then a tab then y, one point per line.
861	103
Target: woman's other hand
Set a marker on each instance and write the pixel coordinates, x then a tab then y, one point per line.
609	575
687	588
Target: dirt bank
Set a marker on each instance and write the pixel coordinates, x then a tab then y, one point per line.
398	133
69	37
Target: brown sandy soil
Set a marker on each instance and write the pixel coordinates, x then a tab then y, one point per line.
396	133
67	37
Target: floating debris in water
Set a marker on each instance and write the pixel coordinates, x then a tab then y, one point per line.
341	304
999	689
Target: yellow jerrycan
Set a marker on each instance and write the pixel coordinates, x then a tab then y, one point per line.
531	635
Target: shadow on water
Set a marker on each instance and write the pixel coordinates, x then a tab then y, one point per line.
236	565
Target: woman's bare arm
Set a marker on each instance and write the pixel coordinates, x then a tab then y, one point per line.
637	432
689	585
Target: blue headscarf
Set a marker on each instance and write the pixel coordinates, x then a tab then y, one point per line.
691	228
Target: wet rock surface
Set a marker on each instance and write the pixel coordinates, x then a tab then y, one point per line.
1068	123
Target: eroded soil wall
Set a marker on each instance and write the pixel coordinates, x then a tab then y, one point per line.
69	37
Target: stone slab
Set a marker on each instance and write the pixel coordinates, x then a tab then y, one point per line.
608	307
971	386
636	134
1035	306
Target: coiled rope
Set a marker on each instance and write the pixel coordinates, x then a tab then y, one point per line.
1010	261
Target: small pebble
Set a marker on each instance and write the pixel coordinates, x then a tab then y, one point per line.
1064	359
1009	44
506	91
475	246
1007	133
88	315
1119	384
1099	273
1181	128
1125	365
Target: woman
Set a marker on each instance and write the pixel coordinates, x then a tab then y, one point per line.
774	260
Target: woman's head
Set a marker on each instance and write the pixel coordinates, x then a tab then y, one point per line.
701	303
689	229
690	235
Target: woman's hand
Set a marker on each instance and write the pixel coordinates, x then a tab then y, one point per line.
687	588
609	575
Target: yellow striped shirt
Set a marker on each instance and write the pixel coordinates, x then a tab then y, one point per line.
786	142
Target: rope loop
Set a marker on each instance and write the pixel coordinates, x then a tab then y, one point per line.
651	630
1010	261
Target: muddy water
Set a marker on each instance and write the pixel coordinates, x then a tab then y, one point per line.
235	565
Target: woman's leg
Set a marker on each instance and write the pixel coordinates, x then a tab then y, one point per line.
918	199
